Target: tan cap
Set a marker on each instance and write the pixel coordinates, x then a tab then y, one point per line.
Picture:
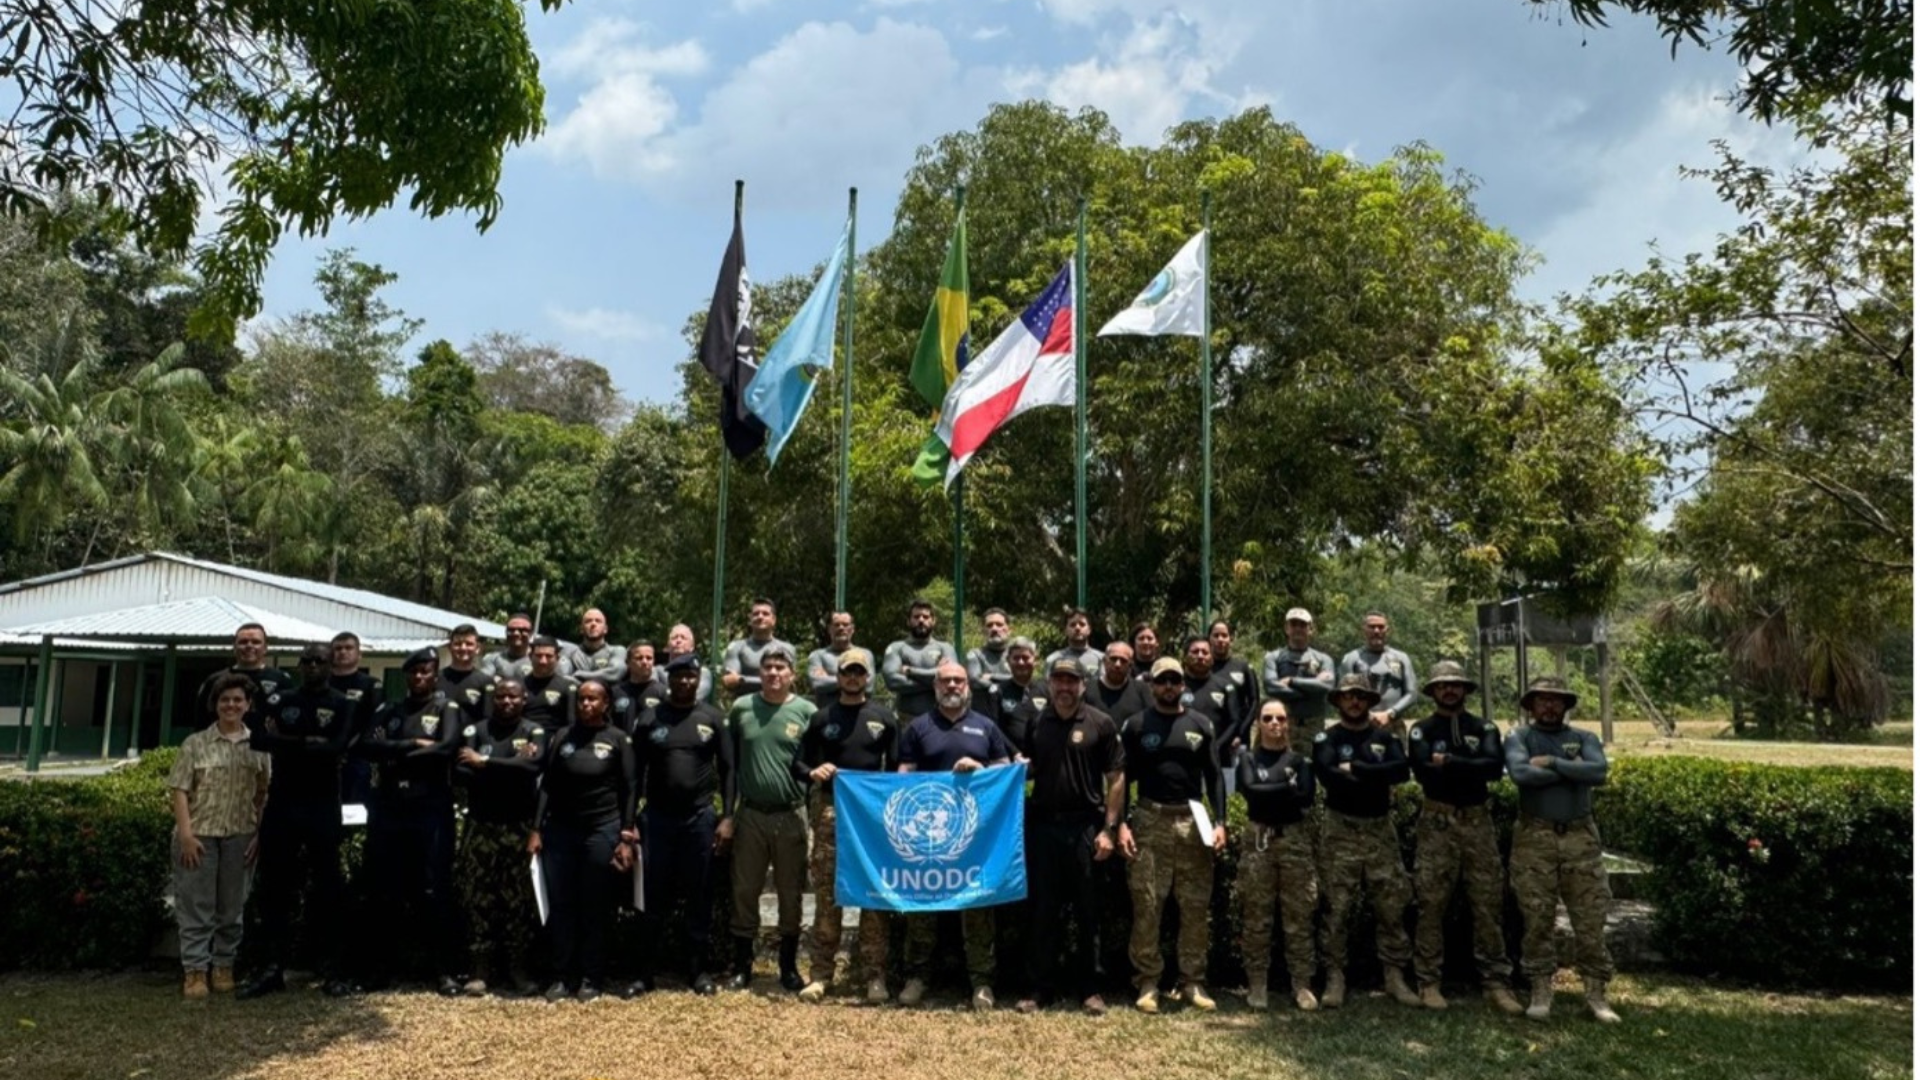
853	656
1300	614
1164	665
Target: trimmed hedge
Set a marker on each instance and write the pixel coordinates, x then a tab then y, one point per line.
1776	874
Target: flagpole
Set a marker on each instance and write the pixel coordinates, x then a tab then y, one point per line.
1206	410
717	640
846	417
1080	407
959	500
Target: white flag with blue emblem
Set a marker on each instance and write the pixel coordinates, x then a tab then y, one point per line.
1173	302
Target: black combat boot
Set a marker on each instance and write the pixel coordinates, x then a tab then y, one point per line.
790	979
742	964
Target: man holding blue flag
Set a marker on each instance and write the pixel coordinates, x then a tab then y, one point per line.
952	738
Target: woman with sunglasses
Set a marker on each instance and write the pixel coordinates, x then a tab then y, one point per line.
583	832
1276	858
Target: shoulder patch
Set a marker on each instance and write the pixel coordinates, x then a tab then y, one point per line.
1416	733
1320	737
470	731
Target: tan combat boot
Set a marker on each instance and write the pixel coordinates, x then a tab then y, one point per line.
1304	998
1597	1002
195	986
813	992
222	980
877	990
1198	997
911	993
1503	999
1398	988
1256	990
1542	1001
1335	995
1431	997
1149	999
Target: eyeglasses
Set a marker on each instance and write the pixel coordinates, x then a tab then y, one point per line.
957	680
1280	718
1167	680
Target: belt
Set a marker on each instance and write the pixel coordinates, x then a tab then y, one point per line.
1264	834
1152	807
1560	828
770	809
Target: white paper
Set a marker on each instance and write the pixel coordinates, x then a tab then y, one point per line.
539	890
639	880
1202	823
353	813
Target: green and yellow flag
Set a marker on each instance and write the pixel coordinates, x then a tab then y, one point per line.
942	353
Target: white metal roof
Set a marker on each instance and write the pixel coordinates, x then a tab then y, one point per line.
157	578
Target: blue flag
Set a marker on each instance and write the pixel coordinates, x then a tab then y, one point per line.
780	390
930	841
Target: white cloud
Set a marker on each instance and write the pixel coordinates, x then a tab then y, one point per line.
616	124
1147	81
605	324
988	33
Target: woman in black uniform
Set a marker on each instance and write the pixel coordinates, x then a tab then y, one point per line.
1276	857
583	832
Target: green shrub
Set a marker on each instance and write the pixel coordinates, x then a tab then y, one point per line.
1786	875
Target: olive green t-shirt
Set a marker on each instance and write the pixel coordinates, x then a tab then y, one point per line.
766	741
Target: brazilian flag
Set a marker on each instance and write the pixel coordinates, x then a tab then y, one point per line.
942	353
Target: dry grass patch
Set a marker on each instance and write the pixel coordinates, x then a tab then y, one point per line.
134	1027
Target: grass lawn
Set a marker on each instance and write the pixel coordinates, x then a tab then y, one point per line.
1892	744
135	1027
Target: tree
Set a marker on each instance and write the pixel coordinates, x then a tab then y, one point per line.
518	375
1799	56
1779	369
53	447
311	112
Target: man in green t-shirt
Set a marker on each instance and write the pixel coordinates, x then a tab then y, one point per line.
768	824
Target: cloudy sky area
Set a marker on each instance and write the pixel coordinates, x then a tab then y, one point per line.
615	219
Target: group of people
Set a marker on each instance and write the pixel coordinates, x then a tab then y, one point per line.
614	765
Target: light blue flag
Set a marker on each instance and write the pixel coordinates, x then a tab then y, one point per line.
780	390
930	841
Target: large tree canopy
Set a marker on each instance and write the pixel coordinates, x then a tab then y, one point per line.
293	113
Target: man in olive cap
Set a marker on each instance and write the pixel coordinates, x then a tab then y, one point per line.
1556	846
1455	756
1358	764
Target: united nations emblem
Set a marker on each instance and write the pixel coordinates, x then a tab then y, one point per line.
931	822
1151	740
832	731
659	735
620	704
290	713
1345	750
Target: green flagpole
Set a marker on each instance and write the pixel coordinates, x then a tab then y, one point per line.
1080	407
960	496
846	417
718	640
1206	410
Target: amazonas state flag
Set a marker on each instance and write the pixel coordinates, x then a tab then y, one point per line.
1028	366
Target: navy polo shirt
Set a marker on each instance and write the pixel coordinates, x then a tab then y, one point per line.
933	743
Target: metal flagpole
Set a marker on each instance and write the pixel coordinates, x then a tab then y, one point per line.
1206	410
846	416
960	494
1080	407
718	640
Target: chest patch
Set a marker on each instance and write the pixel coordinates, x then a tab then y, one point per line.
429	722
473	697
1238	677
290	713
659	735
552	696
353	695
1077	737
1346	752
469	731
1194	739
875	728
1151	740
832	731
1472	741
706	732
567	750
1376	750
793	731
1219	697
1572	749
602	751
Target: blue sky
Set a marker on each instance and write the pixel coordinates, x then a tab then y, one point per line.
615	219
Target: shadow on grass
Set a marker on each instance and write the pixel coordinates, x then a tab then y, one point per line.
1673	1027
137	1027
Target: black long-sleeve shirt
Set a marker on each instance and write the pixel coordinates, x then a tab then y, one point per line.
1218	698
684	757
1278	786
1012	708
306	732
1170	757
1378	766
858	738
550	700
1131	697
630	699
505	790
472	690
403	771
590	777
1474	758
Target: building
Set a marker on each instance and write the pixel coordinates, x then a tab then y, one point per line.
122	645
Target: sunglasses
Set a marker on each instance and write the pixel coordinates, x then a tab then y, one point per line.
1280	719
1168	680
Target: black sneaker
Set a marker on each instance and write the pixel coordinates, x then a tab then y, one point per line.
557	993
589	991
339	988
450	986
270	981
636	988
703	985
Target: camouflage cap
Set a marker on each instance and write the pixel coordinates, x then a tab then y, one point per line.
1549	684
1448	671
1355	682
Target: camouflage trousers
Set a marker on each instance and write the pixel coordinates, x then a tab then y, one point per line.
1554	863
1170	859
1363	851
1451	845
496	891
1277	863
977	927
827	915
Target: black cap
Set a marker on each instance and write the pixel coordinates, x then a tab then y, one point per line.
316	652
420	658
685	661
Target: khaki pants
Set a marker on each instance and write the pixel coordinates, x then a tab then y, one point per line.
762	838
872	950
209	900
1452	845
1561	863
1277	865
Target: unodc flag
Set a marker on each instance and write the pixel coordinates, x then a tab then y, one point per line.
930	841
1174	302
